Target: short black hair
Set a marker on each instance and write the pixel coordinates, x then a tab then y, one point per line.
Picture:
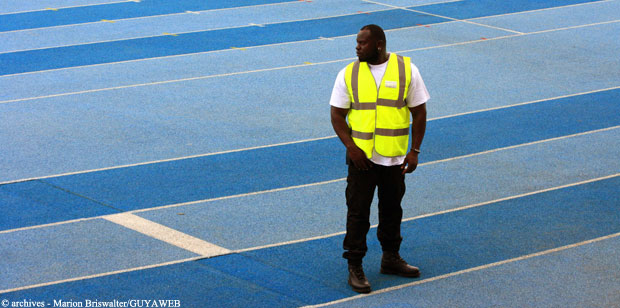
375	31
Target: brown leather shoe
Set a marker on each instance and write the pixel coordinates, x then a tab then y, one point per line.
357	279
393	264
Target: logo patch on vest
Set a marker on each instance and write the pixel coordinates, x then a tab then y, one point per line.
390	84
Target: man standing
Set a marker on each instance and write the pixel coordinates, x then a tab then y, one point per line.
372	94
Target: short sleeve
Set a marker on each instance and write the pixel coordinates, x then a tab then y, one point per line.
340	95
418	94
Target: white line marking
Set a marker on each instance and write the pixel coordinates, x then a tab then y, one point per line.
259	70
576	27
176	56
166	234
540	191
154	16
293	241
100	275
172	14
187	32
492	27
50	224
173	205
342	180
165	81
545	9
329	303
469	270
444	17
503	37
439	213
65	7
213	29
141	227
522	145
240	195
377	3
420	165
262	46
438	2
526	103
223	9
298	141
128	219
169	160
267	69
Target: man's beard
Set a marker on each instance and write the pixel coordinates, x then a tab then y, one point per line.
370	58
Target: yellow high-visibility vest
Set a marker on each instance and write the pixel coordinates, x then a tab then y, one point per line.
380	119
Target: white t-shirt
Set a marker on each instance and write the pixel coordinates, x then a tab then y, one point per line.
417	95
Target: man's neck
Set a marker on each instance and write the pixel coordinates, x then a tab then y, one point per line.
380	60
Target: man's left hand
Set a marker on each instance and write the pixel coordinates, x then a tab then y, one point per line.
410	163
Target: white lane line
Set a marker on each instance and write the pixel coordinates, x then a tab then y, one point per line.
168	160
438	213
374	226
295	142
469	270
576	27
50	224
545	9
152	16
444	17
522	145
240	195
540	191
269	69
174	205
261	70
181	13
166	234
275	44
420	165
187	32
157	82
526	103
342	180
65	7
133	269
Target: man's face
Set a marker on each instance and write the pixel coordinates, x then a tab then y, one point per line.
366	47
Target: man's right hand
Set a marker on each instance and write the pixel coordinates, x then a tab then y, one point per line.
358	157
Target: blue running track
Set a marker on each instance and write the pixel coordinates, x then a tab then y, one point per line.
180	154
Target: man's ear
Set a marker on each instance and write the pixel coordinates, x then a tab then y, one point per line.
381	44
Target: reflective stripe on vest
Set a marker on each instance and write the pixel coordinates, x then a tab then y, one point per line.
378	120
